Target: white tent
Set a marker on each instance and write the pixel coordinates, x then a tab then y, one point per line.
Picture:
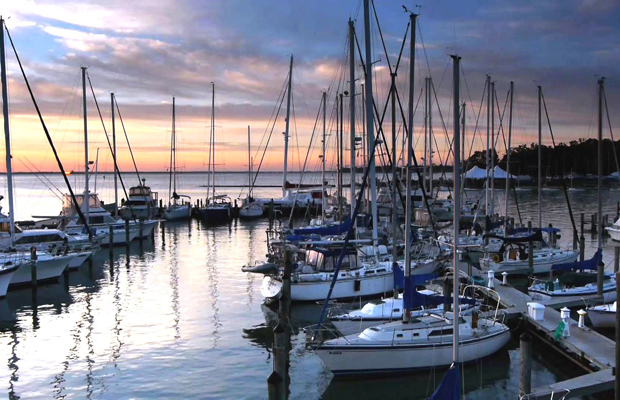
476	173
501	174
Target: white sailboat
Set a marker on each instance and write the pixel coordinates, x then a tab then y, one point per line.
176	210
250	209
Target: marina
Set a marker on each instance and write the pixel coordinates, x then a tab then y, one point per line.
336	221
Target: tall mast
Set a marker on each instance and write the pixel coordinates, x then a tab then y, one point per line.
488	161
507	197
601	82
171	153
341	152
113	157
394	152
86	199
463	157
539	157
7	134
96	170
286	132
493	148
457	212
249	165
370	127
408	204
338	161
425	133
352	105
174	152
430	133
366	141
213	141
323	198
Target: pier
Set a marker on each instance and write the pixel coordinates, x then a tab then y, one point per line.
590	350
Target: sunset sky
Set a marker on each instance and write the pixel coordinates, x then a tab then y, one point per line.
148	51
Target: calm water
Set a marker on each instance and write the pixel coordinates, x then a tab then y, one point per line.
178	318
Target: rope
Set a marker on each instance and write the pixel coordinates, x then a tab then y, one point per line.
127	139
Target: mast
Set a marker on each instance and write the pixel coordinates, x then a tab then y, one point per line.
493	148
341	152
394	151
174	152
249	166
463	166
539	157
457	212
7	134
486	188
408	204
213	140
507	200
366	142
286	132
114	157
352	105
86	200
338	162
601	82
323	199
430	134
96	170
425	133
370	127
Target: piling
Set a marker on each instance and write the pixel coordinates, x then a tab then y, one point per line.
616	258
599	278
127	232
275	384
593	223
140	229
447	304
525	364
552	235
33	268
575	240
617	380
530	249
163	233
582	248
285	298
280	358
111	240
617	210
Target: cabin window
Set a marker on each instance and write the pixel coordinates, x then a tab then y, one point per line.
441	332
397	310
416	334
399	335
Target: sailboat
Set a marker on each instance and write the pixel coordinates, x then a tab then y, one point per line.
428	341
176	210
251	209
217	208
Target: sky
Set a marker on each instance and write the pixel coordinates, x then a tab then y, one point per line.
147	52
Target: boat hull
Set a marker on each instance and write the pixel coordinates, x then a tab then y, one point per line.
48	268
250	212
79	259
177	213
215	215
602	318
6	274
358	360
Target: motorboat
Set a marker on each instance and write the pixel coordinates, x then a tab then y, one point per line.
614	231
142	203
7	270
48	267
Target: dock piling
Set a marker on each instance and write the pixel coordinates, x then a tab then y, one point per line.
111	240
33	268
616	258
275	384
525	364
127	232
582	248
582	223
593	223
599	278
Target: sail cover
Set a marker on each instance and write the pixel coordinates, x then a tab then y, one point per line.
325	230
591	264
450	386
413	299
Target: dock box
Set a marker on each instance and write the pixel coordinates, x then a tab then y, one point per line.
536	311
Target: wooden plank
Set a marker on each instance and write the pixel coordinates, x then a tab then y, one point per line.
579	386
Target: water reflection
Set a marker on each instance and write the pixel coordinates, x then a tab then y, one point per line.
12	364
174	284
212	273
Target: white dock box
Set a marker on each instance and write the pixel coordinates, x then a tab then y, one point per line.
536	311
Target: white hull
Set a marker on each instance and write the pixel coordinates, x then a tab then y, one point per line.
401	358
343	289
541	265
79	259
614	232
250	212
48	268
175	213
602	318
6	275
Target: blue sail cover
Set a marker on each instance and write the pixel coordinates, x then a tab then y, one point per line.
450	386
591	264
513	231
325	230
413	299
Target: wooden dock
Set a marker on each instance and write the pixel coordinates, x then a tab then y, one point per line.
583	345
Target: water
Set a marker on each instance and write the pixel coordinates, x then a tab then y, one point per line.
179	319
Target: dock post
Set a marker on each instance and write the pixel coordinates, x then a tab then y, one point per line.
33	267
593	223
280	360
530	249
274	386
617	375
284	305
600	275
582	248
111	240
582	223
447	303
616	258
140	230
127	232
525	364
575	240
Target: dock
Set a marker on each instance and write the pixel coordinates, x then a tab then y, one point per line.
593	351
